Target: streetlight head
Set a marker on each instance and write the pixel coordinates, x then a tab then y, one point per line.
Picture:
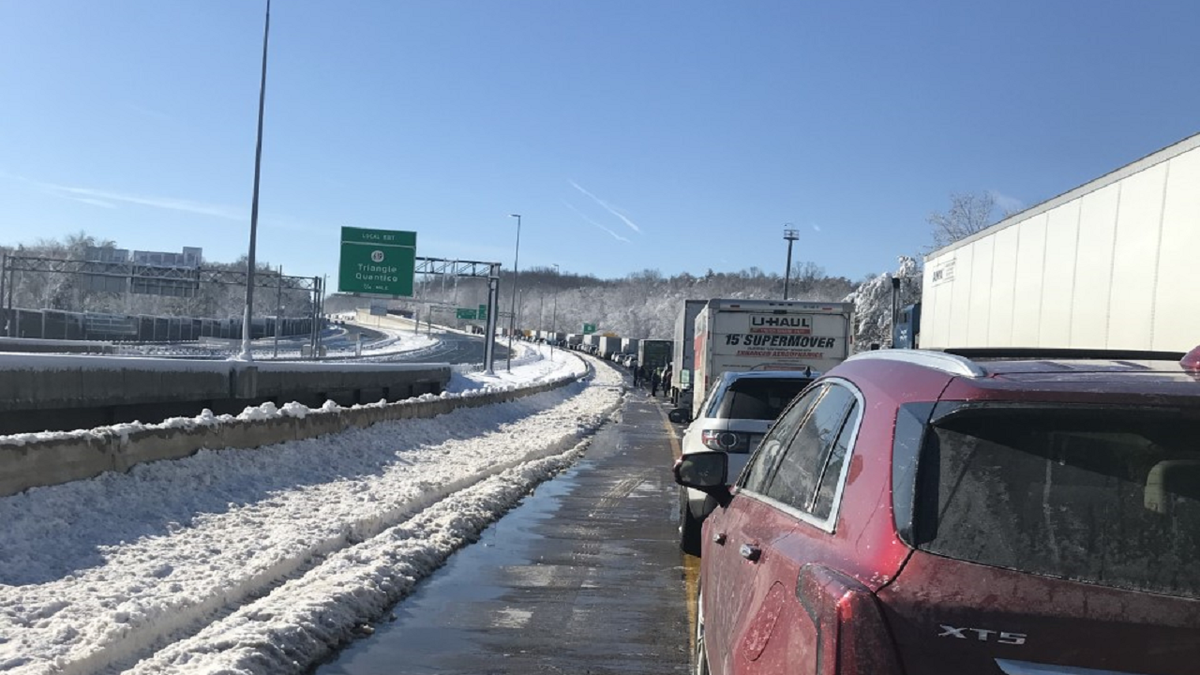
514	215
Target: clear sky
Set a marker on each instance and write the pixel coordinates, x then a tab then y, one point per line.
630	134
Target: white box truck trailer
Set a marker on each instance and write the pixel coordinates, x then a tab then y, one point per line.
739	335
1108	265
685	350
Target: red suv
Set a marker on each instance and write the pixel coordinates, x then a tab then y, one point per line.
966	513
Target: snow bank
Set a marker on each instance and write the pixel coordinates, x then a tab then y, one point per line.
258	562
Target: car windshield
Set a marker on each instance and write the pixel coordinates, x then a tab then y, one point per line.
1106	496
760	398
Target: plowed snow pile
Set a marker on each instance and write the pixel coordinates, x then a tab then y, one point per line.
258	561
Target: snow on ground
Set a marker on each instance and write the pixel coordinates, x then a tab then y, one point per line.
259	561
533	363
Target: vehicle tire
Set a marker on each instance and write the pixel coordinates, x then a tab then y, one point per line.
700	657
689	526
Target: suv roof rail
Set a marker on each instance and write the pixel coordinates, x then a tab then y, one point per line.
1063	353
943	361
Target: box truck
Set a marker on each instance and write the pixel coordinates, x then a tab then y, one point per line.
654	353
741	335
609	346
685	349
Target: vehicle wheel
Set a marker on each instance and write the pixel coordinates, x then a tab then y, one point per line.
689	526
700	657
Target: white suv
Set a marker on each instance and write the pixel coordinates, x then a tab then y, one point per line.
737	412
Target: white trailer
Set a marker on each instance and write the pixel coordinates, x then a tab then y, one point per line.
608	345
685	351
739	335
1108	265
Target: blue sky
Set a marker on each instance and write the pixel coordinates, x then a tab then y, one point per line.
630	134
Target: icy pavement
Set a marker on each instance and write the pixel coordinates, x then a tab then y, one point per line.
259	561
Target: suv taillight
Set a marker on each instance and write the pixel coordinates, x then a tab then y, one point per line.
725	441
852	636
1191	360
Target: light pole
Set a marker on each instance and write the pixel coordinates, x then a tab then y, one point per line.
262	95
512	314
554	313
791	235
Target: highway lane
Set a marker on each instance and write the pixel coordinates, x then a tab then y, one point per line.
584	577
453	348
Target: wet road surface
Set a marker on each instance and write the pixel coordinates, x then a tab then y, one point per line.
584	577
455	348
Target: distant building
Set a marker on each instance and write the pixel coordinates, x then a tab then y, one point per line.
119	270
191	257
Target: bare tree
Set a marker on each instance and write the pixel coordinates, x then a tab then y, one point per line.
968	214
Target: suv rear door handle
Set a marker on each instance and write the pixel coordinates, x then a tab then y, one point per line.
751	553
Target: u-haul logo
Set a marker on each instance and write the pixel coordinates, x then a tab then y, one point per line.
774	324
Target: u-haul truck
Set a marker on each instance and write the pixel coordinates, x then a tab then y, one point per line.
739	335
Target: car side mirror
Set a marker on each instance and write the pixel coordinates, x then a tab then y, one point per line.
679	415
706	472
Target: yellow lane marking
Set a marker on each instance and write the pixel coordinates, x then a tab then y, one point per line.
691	564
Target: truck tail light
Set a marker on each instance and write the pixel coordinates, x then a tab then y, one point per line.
852	636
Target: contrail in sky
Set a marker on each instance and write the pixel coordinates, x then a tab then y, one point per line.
105	198
608	207
614	234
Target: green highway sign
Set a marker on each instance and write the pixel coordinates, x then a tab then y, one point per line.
589	328
379	262
465	313
482	313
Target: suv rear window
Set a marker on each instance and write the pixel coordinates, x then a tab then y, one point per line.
1102	495
760	398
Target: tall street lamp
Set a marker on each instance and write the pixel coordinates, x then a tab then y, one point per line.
791	236
554	313
512	315
262	94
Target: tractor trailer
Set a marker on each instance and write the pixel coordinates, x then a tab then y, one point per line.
1108	265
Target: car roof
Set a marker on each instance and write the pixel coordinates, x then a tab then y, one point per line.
1086	372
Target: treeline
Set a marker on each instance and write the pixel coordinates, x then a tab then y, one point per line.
645	304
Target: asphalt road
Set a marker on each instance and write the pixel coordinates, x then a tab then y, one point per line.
584	577
454	348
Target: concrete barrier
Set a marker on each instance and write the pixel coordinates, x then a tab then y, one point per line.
37	460
58	392
38	345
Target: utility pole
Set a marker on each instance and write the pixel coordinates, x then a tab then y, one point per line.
791	235
278	310
512	318
247	319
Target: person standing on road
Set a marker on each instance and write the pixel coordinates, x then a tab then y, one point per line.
637	372
654	375
666	380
